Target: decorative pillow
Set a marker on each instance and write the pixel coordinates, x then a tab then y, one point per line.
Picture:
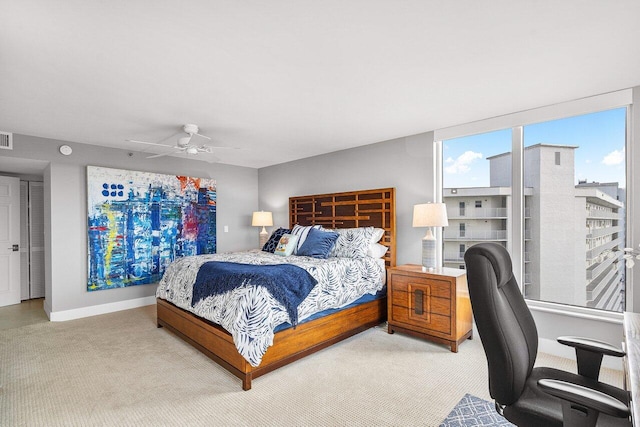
318	243
271	244
352	242
376	250
302	232
377	235
286	245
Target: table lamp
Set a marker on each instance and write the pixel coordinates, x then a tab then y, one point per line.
429	215
262	219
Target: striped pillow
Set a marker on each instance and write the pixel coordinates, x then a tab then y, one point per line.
302	232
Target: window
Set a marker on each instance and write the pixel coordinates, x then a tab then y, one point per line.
580	209
476	172
554	195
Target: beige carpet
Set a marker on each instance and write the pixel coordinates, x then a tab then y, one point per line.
120	370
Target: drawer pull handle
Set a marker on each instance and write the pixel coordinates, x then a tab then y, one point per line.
418	303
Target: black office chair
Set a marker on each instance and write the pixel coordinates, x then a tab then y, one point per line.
524	395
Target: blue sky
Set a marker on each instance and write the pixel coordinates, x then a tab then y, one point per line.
599	136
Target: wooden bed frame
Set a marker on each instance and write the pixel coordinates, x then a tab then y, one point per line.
336	210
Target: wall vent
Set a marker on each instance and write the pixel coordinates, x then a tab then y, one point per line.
6	140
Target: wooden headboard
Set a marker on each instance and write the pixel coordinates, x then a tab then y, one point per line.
375	208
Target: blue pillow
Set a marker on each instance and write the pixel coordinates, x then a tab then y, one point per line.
272	243
318	243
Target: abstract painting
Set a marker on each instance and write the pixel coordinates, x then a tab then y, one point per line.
139	222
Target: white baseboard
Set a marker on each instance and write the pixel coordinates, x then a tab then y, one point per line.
94	310
554	348
47	308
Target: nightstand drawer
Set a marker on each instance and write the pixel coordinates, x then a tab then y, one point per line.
436	323
437	288
420	298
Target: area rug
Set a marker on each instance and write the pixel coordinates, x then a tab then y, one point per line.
473	411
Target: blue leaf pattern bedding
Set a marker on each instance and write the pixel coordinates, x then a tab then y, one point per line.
250	313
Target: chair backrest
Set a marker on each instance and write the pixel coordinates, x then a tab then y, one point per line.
506	327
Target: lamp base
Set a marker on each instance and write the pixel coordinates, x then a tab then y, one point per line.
264	236
429	253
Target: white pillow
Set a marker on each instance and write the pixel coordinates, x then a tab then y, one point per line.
377	235
353	242
376	250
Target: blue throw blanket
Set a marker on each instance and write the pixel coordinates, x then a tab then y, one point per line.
289	284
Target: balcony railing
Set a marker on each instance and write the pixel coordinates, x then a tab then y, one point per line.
478	212
593	253
450	256
596	213
604	231
596	269
475	235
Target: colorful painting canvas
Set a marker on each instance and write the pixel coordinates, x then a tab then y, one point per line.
138	222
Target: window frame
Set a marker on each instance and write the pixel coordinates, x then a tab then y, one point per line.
516	123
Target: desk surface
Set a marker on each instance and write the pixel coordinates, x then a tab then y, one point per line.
632	347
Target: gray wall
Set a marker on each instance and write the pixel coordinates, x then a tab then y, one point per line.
66	212
403	163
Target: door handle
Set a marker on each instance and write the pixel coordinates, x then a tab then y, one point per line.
15	248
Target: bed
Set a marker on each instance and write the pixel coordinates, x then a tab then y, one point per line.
347	210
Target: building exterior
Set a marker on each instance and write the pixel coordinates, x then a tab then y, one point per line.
568	228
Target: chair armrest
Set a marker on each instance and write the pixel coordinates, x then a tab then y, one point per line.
592	345
586	397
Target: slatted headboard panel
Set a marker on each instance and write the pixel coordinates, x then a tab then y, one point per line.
375	208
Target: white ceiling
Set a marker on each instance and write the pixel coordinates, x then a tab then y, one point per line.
285	80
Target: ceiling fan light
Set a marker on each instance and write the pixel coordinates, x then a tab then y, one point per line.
192	150
184	141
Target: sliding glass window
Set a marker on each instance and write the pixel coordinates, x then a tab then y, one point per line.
571	177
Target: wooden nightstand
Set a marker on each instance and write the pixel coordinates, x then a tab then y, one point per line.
432	305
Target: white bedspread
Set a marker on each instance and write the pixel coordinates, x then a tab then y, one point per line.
250	313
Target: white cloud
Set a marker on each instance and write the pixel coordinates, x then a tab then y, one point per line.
614	158
462	163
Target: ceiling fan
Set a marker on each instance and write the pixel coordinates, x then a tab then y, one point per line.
184	143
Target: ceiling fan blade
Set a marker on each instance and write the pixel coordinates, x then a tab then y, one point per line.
145	142
159	155
153	143
224	147
203	136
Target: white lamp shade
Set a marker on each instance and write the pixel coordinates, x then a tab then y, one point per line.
262	219
430	215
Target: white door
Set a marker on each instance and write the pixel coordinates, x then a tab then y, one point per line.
9	241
